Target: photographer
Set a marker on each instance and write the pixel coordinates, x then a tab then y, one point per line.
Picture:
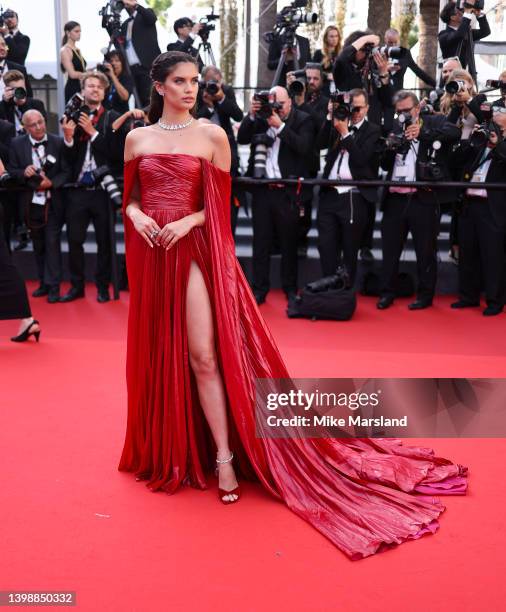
121	83
501	102
416	150
36	161
353	147
6	65
186	32
300	52
15	101
326	56
141	45
18	43
482	219
461	102
399	65
87	147
360	65
453	39
282	140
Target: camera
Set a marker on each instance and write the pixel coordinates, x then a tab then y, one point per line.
208	27
341	105
296	88
339	280
20	93
288	20
455	87
35	180
8	14
399	142
481	134
74	107
111	17
479	5
262	142
101	67
267	107
497	85
102	175
211	87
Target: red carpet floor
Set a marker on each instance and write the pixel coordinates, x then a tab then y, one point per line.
70	521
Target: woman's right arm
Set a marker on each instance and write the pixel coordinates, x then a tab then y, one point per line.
143	224
66	60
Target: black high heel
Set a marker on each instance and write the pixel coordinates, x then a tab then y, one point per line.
24	335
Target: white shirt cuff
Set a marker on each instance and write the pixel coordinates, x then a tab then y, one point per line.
94	136
280	128
70	143
468	16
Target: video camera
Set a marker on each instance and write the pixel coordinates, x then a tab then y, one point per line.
208	27
288	20
479	5
111	17
267	106
34	181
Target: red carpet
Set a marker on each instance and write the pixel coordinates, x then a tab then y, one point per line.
70	521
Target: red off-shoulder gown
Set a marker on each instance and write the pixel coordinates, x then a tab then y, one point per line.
363	494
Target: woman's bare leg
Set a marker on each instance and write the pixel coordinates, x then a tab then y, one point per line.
203	361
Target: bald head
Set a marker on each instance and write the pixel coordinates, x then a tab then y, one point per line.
448	67
392	38
34	124
280	94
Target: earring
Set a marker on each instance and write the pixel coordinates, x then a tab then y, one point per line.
160	93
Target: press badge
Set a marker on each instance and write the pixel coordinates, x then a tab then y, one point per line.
400	171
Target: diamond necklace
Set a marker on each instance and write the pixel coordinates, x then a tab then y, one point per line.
174	126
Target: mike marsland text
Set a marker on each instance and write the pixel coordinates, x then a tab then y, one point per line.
332	421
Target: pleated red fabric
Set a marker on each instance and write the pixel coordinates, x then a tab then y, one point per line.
365	495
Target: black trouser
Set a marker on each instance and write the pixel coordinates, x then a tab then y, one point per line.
142	82
481	254
274	208
368	231
55	222
37	227
341	221
84	206
403	213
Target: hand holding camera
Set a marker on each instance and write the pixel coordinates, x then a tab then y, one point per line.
86	125
69	128
274	120
412	131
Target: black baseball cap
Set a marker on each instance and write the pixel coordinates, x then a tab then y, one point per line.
182	22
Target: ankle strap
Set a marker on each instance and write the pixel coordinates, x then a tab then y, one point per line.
226	460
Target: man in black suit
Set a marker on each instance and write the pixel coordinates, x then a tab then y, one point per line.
482	220
141	45
420	151
353	153
6	64
291	136
36	161
87	147
398	67
15	101
453	39
217	103
301	53
18	43
186	32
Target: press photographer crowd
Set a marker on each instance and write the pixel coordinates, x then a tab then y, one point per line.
339	114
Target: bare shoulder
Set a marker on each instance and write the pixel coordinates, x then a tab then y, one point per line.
134	142
214	132
218	139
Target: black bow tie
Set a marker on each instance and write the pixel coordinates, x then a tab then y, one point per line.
353	129
37	144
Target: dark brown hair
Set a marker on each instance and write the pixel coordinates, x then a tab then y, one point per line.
13	75
162	66
68	27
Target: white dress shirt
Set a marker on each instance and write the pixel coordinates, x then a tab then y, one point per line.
405	168
272	162
132	56
341	167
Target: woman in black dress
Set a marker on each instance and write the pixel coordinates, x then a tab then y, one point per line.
72	62
13	297
326	56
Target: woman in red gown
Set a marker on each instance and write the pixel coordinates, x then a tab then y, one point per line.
197	342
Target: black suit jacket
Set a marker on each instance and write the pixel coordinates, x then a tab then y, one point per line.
467	159
104	148
275	48
434	127
7	133
21	156
7	108
227	110
296	144
18	47
405	62
317	109
187	47
363	148
144	36
450	40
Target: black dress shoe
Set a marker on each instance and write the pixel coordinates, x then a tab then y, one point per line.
40	291
290	295
103	295
491	311
464	304
384	302
366	254
259	297
72	294
420	304
53	296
